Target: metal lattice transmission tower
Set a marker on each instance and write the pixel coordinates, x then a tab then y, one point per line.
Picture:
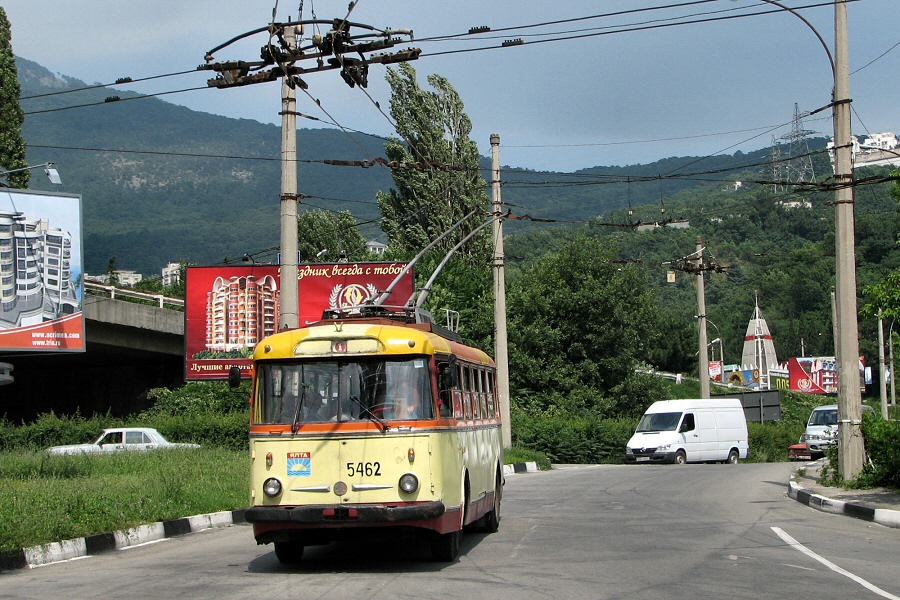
778	175
798	167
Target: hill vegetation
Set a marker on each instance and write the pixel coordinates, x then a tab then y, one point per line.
163	183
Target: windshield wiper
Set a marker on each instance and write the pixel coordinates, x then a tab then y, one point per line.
372	416
295	423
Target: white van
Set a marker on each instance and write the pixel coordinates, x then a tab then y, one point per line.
681	431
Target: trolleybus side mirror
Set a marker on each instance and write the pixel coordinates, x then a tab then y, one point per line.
234	377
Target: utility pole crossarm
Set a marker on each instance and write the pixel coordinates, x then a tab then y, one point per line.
330	51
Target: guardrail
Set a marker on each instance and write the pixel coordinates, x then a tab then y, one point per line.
114	292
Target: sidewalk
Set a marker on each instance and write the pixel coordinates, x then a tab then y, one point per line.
878	505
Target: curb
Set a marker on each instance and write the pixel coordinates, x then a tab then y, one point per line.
525	467
882	516
44	554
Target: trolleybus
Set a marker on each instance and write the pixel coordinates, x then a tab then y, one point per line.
372	420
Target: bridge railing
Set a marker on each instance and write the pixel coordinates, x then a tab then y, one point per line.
111	291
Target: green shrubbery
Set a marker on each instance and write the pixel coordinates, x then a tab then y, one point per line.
882	440
565	438
590	438
209	414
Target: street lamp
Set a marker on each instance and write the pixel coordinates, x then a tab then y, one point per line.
49	170
718	339
850	444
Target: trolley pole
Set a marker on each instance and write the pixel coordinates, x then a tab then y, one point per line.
290	302
502	357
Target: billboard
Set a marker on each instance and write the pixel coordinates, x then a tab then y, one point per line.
41	268
819	374
228	310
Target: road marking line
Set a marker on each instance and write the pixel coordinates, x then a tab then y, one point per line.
798	546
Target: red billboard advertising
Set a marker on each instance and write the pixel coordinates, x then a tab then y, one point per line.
819	374
228	310
41	289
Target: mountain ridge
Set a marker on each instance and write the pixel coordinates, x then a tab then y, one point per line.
161	182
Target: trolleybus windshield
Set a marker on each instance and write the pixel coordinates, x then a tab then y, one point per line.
338	391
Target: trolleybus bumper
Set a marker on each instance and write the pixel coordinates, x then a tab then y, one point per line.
329	514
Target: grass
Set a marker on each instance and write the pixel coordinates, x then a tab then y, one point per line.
47	498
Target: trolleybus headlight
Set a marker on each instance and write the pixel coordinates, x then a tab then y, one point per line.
271	487
409	483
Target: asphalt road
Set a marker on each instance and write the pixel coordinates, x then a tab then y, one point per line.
630	532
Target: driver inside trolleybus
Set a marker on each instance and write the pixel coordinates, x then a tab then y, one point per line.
318	392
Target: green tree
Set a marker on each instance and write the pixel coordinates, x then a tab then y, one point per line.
580	324
112	277
446	185
884	295
337	233
12	145
440	188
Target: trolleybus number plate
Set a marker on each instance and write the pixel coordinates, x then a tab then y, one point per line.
369	469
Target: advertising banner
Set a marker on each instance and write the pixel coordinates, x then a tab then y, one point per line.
715	370
41	270
819	374
813	375
228	310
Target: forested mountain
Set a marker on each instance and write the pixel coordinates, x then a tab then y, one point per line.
163	183
776	248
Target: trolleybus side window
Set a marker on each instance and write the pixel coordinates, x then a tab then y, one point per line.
489	393
477	409
446	384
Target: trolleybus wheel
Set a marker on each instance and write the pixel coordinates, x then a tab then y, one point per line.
445	546
289	553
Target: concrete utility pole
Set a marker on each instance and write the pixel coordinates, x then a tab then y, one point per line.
350	53
850	442
701	322
882	368
502	357
290	300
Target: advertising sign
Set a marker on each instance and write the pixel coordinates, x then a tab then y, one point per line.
41	270
818	374
228	310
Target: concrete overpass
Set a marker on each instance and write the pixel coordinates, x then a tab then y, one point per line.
131	348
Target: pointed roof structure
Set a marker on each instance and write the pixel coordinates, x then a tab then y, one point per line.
759	347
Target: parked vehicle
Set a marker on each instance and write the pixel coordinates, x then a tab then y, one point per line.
799	452
119	439
681	431
822	428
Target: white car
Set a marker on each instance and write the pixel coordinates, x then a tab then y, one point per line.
822	428
121	438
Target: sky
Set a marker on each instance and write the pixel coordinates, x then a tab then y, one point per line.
589	87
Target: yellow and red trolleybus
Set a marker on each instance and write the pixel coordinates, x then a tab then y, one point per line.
372	421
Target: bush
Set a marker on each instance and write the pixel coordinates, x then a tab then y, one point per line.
228	431
199	397
882	443
52	430
565	438
769	441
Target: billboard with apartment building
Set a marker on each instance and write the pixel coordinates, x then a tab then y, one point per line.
41	269
228	310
